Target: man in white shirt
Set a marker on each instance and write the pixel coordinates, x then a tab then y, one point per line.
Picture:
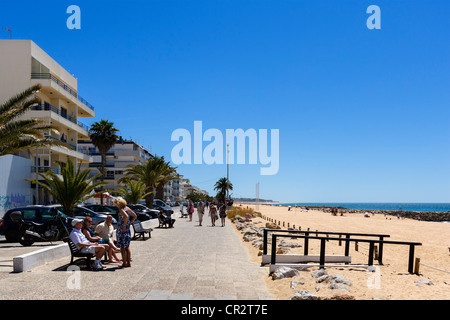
85	245
105	230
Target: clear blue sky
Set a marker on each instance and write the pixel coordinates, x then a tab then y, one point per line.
363	114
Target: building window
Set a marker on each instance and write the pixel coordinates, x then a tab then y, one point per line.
37	67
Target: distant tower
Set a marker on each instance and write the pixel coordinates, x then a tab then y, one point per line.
257	196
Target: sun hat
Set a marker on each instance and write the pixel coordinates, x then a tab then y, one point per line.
75	221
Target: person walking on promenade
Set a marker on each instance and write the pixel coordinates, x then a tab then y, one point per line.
123	233
190	210
223	213
200	211
213	214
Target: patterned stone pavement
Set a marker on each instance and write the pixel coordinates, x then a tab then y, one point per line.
187	262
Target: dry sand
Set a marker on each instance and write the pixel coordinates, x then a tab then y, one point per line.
392	280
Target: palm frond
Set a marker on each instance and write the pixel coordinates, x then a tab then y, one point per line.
18	104
71	187
19	135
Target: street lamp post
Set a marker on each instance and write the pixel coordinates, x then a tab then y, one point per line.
228	169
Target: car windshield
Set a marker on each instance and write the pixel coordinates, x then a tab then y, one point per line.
61	211
137	207
80	211
47	214
159	203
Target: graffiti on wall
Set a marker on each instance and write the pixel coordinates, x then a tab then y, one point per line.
12	201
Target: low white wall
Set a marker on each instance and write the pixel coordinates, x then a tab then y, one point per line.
36	258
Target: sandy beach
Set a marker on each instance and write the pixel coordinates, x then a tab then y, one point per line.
391	281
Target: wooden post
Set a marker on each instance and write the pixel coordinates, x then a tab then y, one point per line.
417	266
376	252
371	250
347	246
356	245
322	254
306	244
274	249
380	254
411	258
340	241
265	241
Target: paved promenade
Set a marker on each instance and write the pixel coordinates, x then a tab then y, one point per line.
184	262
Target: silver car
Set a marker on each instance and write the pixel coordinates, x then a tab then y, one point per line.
82	212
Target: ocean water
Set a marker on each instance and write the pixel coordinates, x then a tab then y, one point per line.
431	207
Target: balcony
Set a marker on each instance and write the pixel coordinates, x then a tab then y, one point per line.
70	146
70	150
43	169
49	107
99	164
63	85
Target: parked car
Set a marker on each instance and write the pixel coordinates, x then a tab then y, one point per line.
114	211
37	213
82	212
161	205
105	209
140	208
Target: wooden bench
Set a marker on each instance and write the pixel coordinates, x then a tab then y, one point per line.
140	231
76	253
183	214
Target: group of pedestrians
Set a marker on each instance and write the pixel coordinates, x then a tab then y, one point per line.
101	240
216	211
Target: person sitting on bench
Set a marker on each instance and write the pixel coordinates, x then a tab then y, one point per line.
105	231
85	245
166	219
183	215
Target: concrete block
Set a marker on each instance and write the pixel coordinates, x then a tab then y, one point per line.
40	257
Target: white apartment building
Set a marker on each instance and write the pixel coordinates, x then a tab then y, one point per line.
187	188
175	189
22	65
123	154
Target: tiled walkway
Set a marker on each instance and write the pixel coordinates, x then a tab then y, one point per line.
184	262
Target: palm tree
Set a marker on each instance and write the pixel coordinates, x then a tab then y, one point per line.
103	137
152	174
21	135
167	174
74	186
133	191
221	186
